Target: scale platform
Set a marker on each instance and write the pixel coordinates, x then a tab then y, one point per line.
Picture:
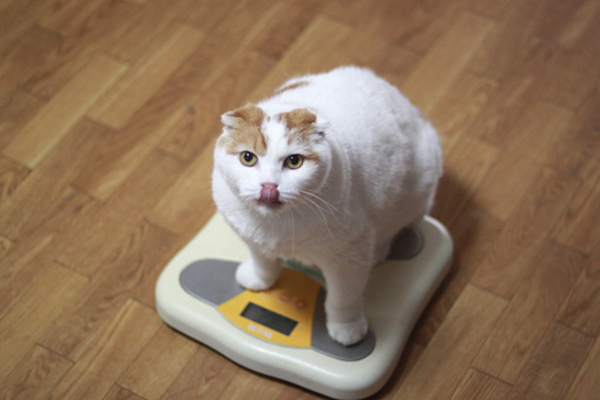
281	332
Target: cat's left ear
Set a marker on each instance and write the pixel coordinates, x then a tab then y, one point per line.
303	123
250	114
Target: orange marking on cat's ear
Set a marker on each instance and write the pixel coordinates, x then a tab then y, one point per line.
243	130
300	124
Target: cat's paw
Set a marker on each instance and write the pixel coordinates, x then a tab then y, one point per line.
348	333
247	277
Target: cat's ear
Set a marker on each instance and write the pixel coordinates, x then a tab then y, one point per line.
247	115
302	122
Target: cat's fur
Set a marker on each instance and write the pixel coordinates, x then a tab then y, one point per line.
371	166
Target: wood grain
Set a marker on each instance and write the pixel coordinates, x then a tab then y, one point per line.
36	375
109	111
538	298
454	346
145	77
61	113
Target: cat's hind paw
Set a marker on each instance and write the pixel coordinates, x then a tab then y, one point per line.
348	333
247	277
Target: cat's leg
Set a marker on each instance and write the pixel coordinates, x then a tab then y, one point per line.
259	272
344	303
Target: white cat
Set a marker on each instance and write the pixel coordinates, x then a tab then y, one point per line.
325	173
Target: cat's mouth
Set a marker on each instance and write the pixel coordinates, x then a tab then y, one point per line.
269	206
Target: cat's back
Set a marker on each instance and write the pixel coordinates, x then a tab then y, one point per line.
354	101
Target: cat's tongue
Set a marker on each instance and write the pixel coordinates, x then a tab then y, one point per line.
269	193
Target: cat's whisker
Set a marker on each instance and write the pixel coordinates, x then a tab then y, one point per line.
332	210
319	212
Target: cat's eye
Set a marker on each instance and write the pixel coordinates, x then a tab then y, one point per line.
248	159
294	161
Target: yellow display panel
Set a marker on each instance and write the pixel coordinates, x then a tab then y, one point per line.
283	314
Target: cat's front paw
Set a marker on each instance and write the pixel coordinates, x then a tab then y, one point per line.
247	277
348	333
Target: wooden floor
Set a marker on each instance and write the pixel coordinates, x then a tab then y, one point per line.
108	114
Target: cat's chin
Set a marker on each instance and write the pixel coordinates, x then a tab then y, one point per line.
269	208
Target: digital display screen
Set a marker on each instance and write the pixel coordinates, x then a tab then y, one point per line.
269	319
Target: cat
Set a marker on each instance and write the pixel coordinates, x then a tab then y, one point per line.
325	173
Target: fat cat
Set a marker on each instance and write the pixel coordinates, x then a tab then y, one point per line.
325	173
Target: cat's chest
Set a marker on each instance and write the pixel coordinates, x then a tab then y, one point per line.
290	237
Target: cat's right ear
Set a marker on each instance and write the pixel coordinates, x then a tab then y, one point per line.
229	120
248	115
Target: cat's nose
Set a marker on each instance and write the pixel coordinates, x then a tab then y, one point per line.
269	193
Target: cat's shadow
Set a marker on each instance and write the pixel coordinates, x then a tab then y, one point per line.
452	201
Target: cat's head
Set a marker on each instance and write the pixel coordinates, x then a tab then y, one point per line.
274	161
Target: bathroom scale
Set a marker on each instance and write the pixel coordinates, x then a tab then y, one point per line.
281	332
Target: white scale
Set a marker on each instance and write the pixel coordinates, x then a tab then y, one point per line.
281	332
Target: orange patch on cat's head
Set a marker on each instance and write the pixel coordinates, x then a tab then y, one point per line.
300	124
243	130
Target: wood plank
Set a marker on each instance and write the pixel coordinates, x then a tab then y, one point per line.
577	227
24	58
36	375
146	26
115	348
11	176
63	111
414	25
571	73
308	54
124	153
552	369
5	246
473	234
196	128
517	61
29	253
581	310
453	348
67	16
104	234
16	18
206	376
248	385
576	149
91	240
101	31
54	291
554	21
15	111
188	204
508	50
159	364
243	24
37	197
443	63
119	393
580	18
133	266
522	157
285	27
461	179
585	385
457	109
539	296
410	355
477	385
524	233
144	78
